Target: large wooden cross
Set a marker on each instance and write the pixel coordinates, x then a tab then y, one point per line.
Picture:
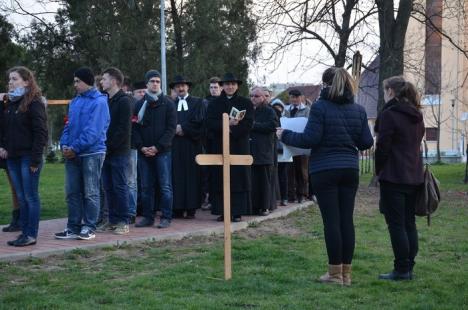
226	160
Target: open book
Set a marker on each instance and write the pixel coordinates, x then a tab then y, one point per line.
236	114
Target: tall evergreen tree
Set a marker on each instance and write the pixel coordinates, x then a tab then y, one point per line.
10	53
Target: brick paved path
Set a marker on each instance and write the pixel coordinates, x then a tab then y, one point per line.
204	224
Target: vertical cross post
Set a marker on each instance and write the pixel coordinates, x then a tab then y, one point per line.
226	160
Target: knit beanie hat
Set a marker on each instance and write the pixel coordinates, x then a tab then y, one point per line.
151	74
86	75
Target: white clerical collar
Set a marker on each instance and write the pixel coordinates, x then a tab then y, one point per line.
182	104
299	107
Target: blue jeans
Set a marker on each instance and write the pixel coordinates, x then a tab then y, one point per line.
156	170
114	180
132	183
82	178
26	185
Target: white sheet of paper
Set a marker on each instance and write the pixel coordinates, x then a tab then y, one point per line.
286	156
296	124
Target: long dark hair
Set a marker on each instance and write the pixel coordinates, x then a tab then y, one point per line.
404	91
33	92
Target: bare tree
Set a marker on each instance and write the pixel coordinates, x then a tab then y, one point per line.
337	25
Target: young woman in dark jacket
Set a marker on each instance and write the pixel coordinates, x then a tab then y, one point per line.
337	129
399	166
23	136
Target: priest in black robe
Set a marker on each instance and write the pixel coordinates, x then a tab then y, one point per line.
239	144
262	147
186	145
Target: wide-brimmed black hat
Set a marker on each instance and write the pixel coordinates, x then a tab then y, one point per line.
229	77
179	79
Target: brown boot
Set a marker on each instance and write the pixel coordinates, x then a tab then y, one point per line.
334	275
347	274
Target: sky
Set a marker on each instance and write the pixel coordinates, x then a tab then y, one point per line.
290	69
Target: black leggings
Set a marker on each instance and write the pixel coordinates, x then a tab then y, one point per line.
397	204
335	191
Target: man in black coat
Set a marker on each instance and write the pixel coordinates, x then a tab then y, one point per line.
114	175
262	147
239	144
185	146
154	125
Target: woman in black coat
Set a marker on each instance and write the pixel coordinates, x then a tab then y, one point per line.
337	128
23	136
398	164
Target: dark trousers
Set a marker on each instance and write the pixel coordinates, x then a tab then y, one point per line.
335	191
283	179
156	171
114	180
298	178
262	187
397	204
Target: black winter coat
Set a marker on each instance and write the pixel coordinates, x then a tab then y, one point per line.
120	127
400	129
239	139
158	126
262	136
24	133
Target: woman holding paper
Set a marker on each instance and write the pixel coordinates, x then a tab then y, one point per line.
336	130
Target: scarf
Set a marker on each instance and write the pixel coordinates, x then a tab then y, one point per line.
142	111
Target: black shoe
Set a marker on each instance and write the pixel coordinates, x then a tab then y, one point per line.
189	217
264	212
164	223
300	199
236	219
14	224
145	222
12	242
25	241
395	276
220	218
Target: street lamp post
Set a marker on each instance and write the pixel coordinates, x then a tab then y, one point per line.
163	48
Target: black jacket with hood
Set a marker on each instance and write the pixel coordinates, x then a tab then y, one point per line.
400	129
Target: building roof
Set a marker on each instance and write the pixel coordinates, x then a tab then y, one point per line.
368	92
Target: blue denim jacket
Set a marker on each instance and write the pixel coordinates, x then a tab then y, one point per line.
88	120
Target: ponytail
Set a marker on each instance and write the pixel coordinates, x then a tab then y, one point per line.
404	91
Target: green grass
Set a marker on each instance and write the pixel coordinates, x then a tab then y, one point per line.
275	265
451	177
53	201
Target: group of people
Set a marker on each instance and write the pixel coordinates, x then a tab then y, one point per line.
142	147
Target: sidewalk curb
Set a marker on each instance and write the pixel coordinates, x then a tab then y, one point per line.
278	213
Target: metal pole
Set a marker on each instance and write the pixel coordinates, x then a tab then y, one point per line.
163	48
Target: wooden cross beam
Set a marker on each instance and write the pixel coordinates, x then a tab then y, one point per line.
226	160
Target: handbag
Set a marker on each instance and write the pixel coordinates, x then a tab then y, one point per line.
428	195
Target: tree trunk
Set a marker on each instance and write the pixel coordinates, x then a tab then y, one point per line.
392	40
178	38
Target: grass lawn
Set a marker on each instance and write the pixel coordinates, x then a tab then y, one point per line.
275	265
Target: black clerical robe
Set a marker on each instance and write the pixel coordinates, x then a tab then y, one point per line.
185	171
239	144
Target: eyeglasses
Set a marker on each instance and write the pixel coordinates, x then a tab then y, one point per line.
256	96
155	81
